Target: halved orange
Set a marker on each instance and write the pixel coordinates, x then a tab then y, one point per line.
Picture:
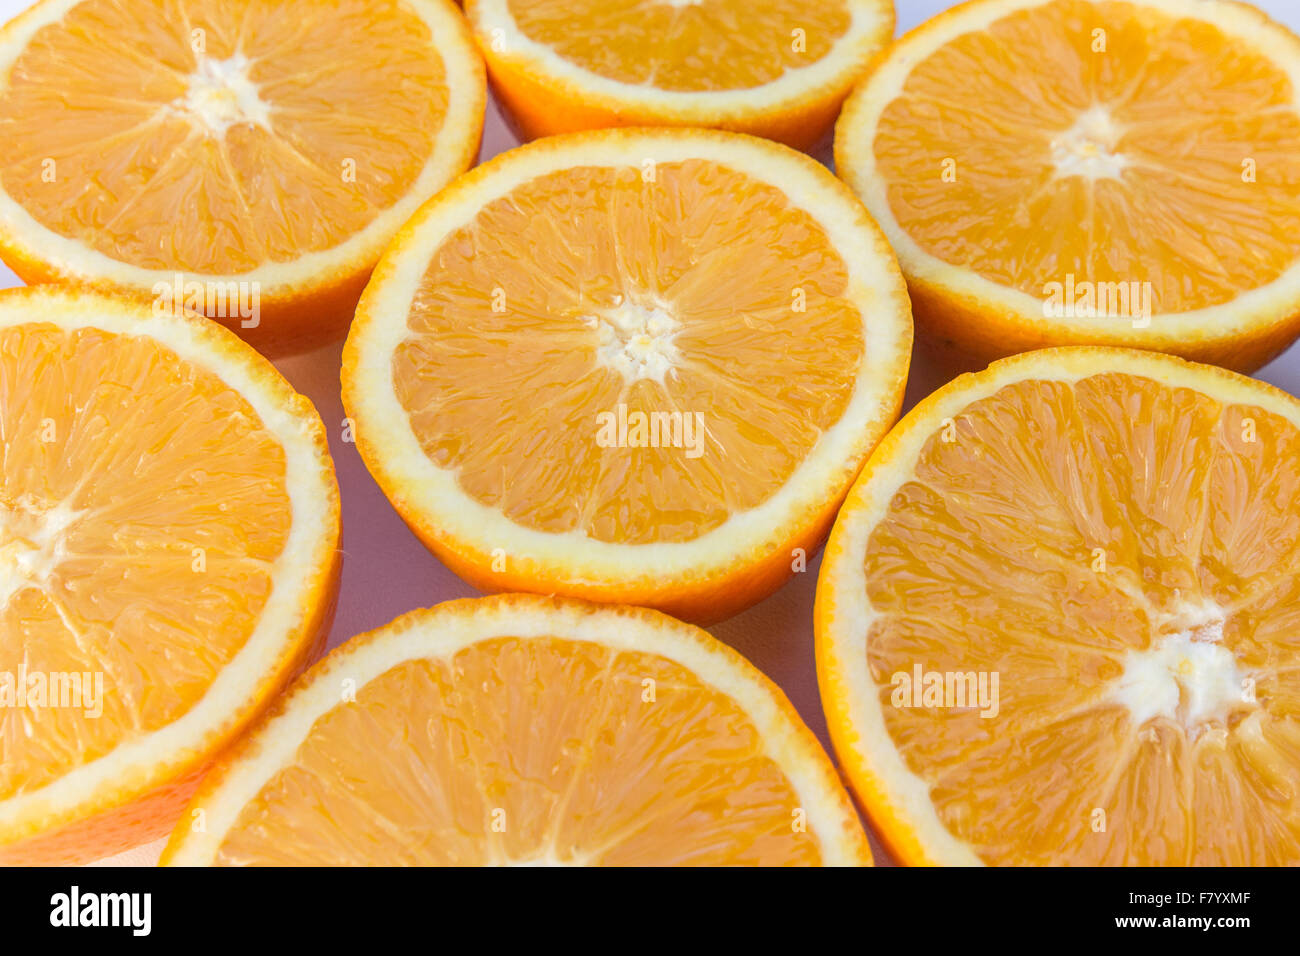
1070	172
774	68
169	531
242	159
521	730
1056	619
633	366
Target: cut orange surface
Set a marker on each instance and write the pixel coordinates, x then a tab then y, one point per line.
774	68
521	730
1070	172
633	366
243	159
1056	619
169	529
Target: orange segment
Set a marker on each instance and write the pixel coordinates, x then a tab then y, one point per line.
1090	146
279	143
527	731
1089	536
776	68
673	395
167	515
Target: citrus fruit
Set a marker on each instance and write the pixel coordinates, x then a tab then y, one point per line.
169	530
633	366
1062	172
1056	618
774	68
523	730
245	160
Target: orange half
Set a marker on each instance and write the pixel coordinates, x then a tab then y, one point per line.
1080	172
169	530
1056	619
521	730
632	366
242	159
773	68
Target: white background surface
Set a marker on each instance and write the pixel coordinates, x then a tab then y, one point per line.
386	571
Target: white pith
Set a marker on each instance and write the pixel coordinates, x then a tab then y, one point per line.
464	112
32	543
1191	682
1087	148
221	95
856	132
149	758
863	742
382	327
442	632
636	340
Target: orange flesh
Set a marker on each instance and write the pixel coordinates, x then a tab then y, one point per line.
538	751
707	46
1185	106
506	371
986	562
140	158
117	461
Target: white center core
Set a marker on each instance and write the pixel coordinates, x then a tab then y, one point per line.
1087	148
636	340
221	95
1186	675
31	545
